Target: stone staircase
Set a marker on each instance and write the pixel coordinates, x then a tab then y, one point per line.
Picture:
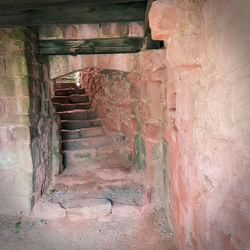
98	181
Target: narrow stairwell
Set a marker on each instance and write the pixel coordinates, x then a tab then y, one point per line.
98	181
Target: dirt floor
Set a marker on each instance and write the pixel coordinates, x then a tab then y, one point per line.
147	232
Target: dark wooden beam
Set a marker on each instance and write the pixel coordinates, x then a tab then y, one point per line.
82	13
45	4
91	46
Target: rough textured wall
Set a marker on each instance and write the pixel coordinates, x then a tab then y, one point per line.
131	107
26	117
41	115
111	95
152	68
63	65
207	55
16	166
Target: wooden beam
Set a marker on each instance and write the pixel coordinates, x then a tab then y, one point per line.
82	13
45	4
91	46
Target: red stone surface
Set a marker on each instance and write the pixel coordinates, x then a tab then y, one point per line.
206	118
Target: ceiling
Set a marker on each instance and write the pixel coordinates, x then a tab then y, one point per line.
51	12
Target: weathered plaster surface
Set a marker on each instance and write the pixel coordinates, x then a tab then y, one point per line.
207	56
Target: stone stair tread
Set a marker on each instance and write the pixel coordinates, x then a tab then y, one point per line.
93	138
113	161
82	129
95	141
78	124
65	85
77	114
82	132
75	156
87	208
114	174
72	111
72	106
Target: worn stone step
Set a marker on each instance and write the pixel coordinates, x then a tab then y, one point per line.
83	209
64	92
81	133
74	98
127	211
47	210
112	174
65	85
75	156
78	98
78	124
77	114
72	106
96	141
60	99
128	194
69	91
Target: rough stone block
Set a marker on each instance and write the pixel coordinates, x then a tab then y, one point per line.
48	211
186	51
152	131
136	29
163	19
113	30
21	133
16	157
84	209
76	31
104	61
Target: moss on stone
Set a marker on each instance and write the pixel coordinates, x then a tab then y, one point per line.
16	34
139	153
81	156
122	138
21	66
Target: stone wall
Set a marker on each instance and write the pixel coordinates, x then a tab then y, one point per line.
131	106
25	121
15	157
207	129
41	115
112	96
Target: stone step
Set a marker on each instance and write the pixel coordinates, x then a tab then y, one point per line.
81	133
75	156
82	143
77	114
60	99
72	106
127	194
112	174
69	91
78	98
85	185
65	85
75	98
84	209
78	124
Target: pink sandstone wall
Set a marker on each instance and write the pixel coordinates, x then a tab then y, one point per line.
208	118
131	101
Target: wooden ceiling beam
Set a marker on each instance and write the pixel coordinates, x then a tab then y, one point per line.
91	46
81	13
